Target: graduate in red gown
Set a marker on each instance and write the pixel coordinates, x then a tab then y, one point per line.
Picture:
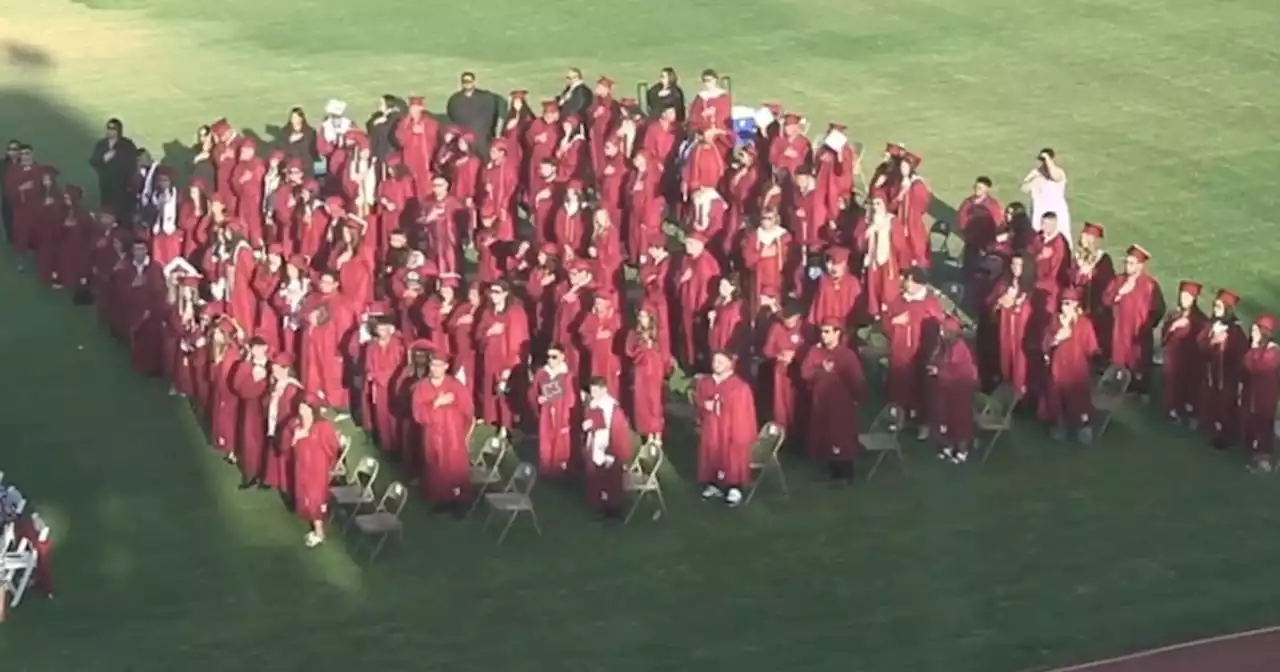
1092	273
910	323
229	267
978	222
502	348
1259	393
418	135
313	443
442	406
50	216
696	279
143	301
600	337
1221	344
648	363
461	331
835	162
836	385
837	292
768	253
1069	345
604	249
327	322
879	264
784	350
224	405
500	182
726	412
1182	370
1009	342
556	399
602	119
911	205
250	382
1052	253
383	358
444	220
713	106
728	324
706	166
609	450
279	406
247	183
953	380
75	242
1137	306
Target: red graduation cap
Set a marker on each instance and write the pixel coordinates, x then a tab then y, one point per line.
1093	229
549	249
1190	287
450	280
335	206
275	249
277	155
500	144
488	210
1228	298
220	127
422	345
519	94
283	360
416	101
1266	323
249	144
378	308
573	185
1138	252
199	183
299	261
189	281
550	106
314	400
605	81
293	163
1071	294
394	159
912	159
578	266
832	323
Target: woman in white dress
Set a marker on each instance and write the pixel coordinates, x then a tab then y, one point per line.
1046	184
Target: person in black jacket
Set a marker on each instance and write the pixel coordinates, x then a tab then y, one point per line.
115	159
476	109
381	127
576	97
666	94
6	208
300	139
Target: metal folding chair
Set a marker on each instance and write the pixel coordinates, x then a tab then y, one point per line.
764	459
516	498
1108	396
486	468
356	492
882	438
642	479
995	416
385	519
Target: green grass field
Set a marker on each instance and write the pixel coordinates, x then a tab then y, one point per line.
1162	111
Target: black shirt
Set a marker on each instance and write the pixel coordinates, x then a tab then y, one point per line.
658	99
575	100
477	111
382	133
115	175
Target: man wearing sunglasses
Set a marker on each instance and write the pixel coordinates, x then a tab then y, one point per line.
10	160
115	160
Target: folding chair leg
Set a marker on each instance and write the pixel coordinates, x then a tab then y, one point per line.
487	519
533	515
1102	429
902	461
875	466
782	479
635	506
475	502
755	485
22	585
507	528
373	555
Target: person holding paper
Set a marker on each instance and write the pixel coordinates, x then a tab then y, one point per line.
609	449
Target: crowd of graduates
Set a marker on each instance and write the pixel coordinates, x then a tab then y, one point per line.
546	272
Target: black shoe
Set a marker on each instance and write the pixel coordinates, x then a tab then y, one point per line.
263	486
245	485
458	510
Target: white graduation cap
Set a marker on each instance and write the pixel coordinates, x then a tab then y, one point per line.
180	266
764	117
335	107
836	139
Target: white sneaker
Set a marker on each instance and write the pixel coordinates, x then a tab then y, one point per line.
341	417
922	434
959	457
312	539
946	453
734	498
712	492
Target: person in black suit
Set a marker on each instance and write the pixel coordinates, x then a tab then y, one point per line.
576	97
476	109
6	208
115	159
666	94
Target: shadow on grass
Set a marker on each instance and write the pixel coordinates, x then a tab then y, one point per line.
26	56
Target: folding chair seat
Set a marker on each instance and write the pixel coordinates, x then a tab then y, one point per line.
642	479
881	439
385	519
487	459
1108	396
516	498
995	415
764	459
357	491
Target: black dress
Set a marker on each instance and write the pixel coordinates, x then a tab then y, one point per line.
658	99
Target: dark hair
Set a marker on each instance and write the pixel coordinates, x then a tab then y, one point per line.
792	308
468	75
1047	151
917	275
671	74
984	181
598	381
116	124
500	284
26	147
709	73
257	341
556	347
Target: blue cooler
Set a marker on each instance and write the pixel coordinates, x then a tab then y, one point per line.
744	124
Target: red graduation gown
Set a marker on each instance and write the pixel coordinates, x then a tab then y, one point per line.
1260	392
327	321
1223	361
648	362
953	385
911	327
600	336
726	431
836	386
1067	397
251	448
607	424
786	392
381	363
313	458
502	344
445	456
1183	371
555	395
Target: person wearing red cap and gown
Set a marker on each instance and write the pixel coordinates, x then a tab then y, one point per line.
611	175
726	412
660	148
978	219
648	362
742	192
645	206
1137	306
570	310
116	276
837	293
910	322
833	373
1091	271
167	234
791	150
599	335
327	321
285	304
142	301
279	405
953	381
499	182
267	275
768	253
569	225
544	196
1069	345
53	212
911	202
490	259
74	242
1053	266
224	406
396	206
444	219
727	328
706	166
443	407
350	260
542	138
713	105
359	177
246	185
382	358
226	155
805	211
181	329
312	223
555	398
656	276
284	203
250	382
1259	393
572	154
880	264
461	330
695	280
835	163
1221	344
194	218
463	170
502	347
418	136
1182	370
706	218
408	435
603	116
229	267
604	248
1010	304
513	130
609	450
314	445
539	293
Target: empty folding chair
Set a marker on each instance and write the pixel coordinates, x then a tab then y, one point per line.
339	470
515	499
858	148
357	491
385	519
995	415
486	468
16	569
764	459
8	536
1108	396
881	438
642	479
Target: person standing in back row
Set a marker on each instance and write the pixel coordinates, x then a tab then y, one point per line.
476	109
115	158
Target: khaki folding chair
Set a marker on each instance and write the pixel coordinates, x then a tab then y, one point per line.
641	479
385	519
486	468
357	491
764	459
882	438
1108	396
858	151
515	498
339	470
995	415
